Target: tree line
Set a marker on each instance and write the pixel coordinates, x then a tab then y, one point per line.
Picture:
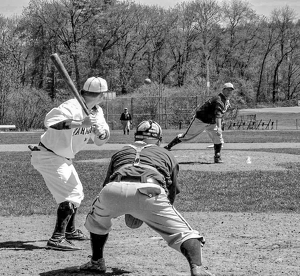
190	49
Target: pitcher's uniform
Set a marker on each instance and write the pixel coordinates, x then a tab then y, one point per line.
205	119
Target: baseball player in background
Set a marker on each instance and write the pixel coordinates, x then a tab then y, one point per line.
126	121
68	131
141	183
208	117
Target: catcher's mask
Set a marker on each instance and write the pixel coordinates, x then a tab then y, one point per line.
148	130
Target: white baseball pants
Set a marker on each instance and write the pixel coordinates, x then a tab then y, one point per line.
59	175
119	198
196	127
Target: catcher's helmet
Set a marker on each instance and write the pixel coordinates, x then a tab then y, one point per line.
148	130
95	85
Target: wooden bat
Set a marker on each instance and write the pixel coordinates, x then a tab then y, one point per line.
63	72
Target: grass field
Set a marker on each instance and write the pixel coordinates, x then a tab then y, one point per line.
250	218
23	191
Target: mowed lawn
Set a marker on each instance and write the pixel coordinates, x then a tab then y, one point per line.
23	191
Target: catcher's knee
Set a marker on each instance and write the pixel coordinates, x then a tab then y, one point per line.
67	207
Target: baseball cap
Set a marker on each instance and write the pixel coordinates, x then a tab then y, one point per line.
148	130
95	85
228	85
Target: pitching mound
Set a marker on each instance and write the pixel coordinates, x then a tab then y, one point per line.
234	160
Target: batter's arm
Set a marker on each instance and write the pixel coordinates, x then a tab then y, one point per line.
70	123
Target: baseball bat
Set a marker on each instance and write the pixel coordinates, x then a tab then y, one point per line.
63	72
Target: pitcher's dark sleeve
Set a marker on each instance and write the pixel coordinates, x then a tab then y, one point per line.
220	106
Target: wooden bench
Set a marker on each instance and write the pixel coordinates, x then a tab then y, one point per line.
252	124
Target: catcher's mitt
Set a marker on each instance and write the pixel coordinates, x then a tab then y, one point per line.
132	222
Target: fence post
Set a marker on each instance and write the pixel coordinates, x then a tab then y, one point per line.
131	108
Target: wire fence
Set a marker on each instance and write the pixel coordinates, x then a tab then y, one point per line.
168	112
177	112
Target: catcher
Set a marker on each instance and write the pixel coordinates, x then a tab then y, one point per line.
68	131
141	183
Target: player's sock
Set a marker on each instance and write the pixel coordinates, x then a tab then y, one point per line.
71	224
64	213
191	249
97	244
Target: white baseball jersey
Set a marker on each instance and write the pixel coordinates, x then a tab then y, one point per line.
67	142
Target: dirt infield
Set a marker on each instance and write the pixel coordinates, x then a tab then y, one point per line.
236	243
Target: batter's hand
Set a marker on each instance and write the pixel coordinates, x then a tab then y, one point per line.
100	132
89	121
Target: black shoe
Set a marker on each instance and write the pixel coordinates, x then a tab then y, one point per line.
94	266
218	158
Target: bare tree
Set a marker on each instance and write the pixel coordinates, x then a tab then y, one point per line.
8	66
287	42
240	31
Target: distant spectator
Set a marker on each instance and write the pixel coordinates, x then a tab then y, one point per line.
126	120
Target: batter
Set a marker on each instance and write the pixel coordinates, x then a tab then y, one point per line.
68	131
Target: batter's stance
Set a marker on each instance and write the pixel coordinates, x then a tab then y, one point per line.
68	131
208	117
141	182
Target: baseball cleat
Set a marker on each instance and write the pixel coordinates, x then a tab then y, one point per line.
218	158
61	244
94	266
200	271
76	235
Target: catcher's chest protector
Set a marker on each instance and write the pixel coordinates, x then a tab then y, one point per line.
138	150
137	163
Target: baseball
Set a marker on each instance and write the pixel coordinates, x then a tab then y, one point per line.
147	81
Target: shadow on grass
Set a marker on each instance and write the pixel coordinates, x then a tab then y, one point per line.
74	271
195	163
21	245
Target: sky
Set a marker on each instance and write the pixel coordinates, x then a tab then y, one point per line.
262	7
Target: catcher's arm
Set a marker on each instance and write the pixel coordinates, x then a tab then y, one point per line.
173	189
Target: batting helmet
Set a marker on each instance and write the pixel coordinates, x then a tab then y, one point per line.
95	85
148	130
